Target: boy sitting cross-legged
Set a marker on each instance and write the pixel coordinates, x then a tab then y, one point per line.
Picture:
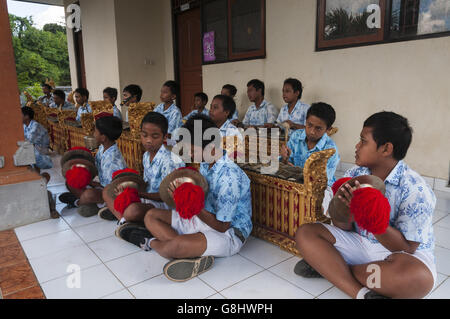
158	162
220	229
109	159
402	255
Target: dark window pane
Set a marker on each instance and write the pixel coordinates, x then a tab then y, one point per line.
345	19
246	17
419	17
215	19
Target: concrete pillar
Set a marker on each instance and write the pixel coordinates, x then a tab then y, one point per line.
17	206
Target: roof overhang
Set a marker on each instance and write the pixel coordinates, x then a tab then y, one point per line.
49	2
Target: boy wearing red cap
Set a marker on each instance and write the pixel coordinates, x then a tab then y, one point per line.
398	263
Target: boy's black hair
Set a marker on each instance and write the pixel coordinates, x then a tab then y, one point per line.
173	86
258	85
83	92
110	126
112	92
296	86
48	86
60	94
28	111
389	127
228	104
158	120
323	111
230	88
134	90
207	123
203	96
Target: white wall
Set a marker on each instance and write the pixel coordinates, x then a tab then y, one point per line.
410	78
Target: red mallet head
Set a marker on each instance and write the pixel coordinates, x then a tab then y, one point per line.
371	210
189	200
338	184
125	199
78	177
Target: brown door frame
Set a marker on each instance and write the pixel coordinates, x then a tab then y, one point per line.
194	4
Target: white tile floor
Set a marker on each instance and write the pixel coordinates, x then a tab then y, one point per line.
113	269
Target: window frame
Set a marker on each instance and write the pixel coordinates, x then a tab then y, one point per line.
234	57
386	16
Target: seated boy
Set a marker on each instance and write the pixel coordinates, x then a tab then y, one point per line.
81	96
47	98
169	93
231	91
110	95
220	229
313	138
222	107
131	94
403	254
200	101
261	112
294	112
109	159
158	162
37	135
60	102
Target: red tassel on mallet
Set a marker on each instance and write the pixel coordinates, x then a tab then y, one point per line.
371	210
78	177
189	200
126	198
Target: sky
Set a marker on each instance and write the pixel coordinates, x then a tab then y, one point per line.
41	13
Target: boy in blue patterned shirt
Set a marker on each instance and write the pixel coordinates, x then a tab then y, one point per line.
37	135
110	96
302	143
109	159
261	113
231	91
81	96
220	229
158	162
169	93
200	101
294	112
403	256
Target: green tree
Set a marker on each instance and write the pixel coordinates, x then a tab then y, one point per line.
39	54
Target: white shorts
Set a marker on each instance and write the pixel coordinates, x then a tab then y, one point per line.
327	197
358	250
217	244
160	205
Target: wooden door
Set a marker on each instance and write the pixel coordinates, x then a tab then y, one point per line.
79	59
189	29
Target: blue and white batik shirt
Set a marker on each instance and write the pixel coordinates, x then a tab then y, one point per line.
266	113
300	152
37	135
173	116
412	204
164	163
108	162
83	110
229	197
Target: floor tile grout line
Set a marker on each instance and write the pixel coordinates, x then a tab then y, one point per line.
291	283
262	265
44	235
216	292
327	291
228	287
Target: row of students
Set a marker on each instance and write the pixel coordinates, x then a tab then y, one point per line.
340	253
